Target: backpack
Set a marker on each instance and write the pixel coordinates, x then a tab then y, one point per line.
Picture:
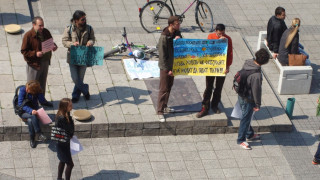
18	109
70	30
240	81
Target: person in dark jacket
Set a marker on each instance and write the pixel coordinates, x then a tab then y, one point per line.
289	43
276	27
37	61
64	121
33	92
165	47
251	103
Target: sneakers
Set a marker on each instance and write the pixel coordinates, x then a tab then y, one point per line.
168	110
202	113
42	138
254	137
245	145
315	161
216	110
161	118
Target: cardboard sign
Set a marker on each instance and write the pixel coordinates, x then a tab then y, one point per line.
86	56
200	57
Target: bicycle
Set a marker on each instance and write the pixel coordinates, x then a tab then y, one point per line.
124	46
154	15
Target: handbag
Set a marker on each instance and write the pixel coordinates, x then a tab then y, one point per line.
297	59
59	134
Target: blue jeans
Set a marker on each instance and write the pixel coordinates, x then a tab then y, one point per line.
245	129
77	75
317	155
33	124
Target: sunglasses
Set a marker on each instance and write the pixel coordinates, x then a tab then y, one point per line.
83	19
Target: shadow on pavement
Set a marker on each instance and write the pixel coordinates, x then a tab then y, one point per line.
113	174
14	18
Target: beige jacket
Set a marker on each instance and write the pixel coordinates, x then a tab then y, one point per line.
70	36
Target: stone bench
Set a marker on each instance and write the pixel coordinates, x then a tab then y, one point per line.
292	79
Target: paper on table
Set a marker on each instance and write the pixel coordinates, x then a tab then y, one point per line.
237	113
43	116
47	45
75	146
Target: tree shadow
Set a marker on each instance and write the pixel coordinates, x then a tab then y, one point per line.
112	174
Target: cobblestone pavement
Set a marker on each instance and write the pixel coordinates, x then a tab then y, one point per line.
276	156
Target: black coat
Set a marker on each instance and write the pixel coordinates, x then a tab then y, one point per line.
293	47
275	29
62	122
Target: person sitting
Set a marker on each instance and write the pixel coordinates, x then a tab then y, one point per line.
289	43
276	27
33	92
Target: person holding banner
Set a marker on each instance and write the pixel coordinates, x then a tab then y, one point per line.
37	58
165	47
64	121
216	98
33	92
79	33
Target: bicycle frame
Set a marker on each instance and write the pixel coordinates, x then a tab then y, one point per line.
182	14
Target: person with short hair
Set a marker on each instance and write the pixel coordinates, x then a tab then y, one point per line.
216	95
252	102
37	61
33	92
165	47
64	121
275	28
79	33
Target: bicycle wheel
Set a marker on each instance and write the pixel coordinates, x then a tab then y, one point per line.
154	16
112	52
204	17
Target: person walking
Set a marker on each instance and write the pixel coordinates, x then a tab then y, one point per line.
165	47
34	94
64	121
37	61
216	97
252	101
79	33
275	28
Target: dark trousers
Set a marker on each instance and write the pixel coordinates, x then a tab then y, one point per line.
216	93
166	83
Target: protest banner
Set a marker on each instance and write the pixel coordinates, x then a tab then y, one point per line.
141	69
200	57
87	56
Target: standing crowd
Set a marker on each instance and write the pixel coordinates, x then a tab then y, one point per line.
280	40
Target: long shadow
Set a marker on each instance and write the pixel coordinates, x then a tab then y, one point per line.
14	18
315	88
113	174
264	113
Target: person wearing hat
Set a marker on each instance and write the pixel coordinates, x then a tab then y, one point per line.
37	61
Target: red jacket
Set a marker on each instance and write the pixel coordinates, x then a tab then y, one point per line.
230	51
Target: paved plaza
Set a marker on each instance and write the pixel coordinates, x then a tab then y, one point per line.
150	155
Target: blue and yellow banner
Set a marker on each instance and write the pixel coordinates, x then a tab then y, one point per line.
200	57
87	56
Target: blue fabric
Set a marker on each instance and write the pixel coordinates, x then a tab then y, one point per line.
34	100
245	129
33	124
77	75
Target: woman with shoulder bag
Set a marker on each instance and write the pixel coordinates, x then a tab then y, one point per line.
64	121
289	46
33	92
